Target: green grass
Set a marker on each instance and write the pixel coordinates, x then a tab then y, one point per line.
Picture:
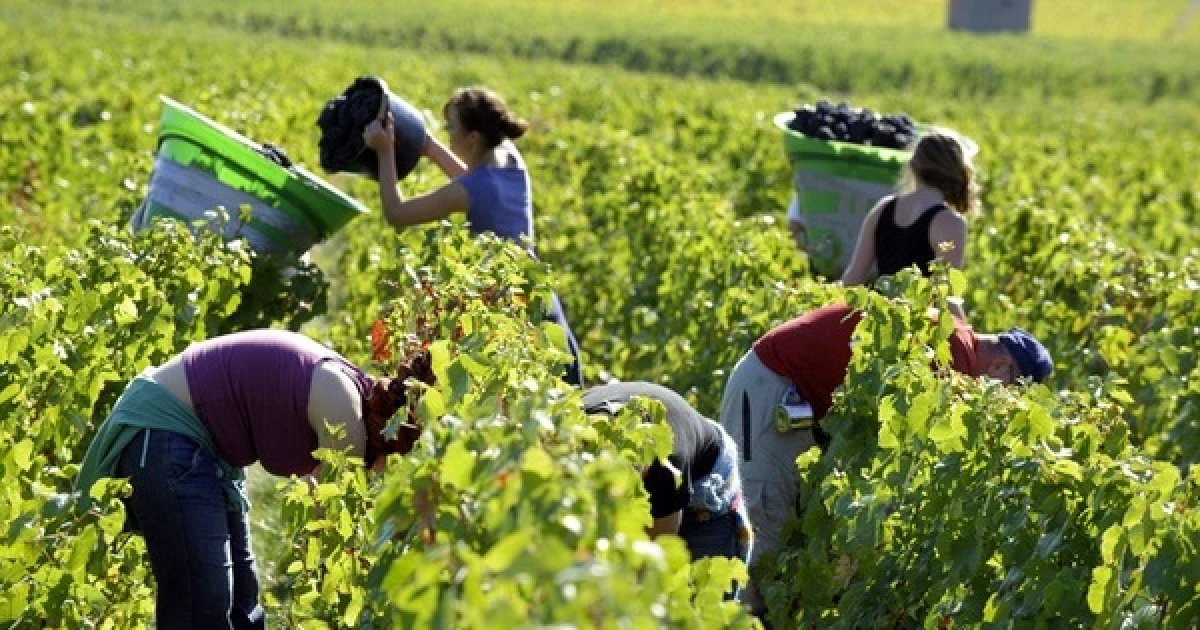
757	20
1077	49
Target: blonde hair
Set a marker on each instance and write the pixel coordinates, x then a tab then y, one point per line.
939	160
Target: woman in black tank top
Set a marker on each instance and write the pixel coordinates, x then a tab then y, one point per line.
908	228
901	246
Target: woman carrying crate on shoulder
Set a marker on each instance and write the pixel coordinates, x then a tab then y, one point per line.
924	220
489	181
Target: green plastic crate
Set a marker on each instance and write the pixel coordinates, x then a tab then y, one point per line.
837	184
305	204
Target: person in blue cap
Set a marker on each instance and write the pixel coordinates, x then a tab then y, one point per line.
793	370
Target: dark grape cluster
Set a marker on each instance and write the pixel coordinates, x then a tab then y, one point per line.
342	121
826	121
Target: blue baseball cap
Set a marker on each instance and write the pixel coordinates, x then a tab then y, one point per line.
1033	359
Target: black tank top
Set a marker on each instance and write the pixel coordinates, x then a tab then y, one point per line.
898	247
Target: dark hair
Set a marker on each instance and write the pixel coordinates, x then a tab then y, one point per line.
482	110
387	396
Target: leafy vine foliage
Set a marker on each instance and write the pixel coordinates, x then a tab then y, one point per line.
941	502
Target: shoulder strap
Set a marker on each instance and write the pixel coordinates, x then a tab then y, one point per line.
887	220
889	209
933	211
926	219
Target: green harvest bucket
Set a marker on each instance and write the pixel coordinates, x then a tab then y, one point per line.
837	184
201	165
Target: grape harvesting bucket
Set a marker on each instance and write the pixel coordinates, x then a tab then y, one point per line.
343	119
836	185
200	165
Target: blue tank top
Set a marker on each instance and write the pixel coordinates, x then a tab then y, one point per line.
250	389
500	200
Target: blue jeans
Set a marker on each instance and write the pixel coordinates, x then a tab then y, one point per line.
199	549
574	375
716	536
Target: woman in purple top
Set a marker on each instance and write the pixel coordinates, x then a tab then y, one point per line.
488	178
183	431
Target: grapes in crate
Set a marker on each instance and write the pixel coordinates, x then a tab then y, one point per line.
841	122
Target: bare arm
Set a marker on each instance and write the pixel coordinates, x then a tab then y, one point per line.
443	157
668	524
397	210
432	206
334	401
863	259
948	237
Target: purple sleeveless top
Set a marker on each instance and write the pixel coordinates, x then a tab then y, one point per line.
250	389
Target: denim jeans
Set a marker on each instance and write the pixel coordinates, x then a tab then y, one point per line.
574	371
716	536
199	549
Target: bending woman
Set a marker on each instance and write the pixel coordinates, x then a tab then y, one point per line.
183	432
488	180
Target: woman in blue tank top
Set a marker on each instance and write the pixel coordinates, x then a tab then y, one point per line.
488	179
909	228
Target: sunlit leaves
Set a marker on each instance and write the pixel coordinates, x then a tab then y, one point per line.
993	503
658	210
